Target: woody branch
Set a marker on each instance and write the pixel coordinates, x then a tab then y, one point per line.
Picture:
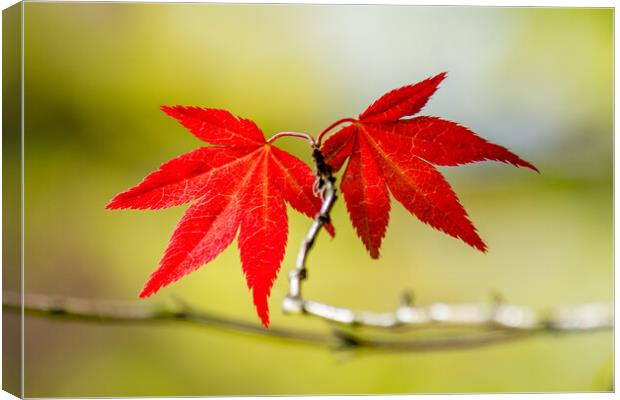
446	317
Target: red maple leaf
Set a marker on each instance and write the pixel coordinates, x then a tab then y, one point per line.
240	184
386	150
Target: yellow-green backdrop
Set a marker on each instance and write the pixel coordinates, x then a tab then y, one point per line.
536	80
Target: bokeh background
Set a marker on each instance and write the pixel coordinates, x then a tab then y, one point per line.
536	80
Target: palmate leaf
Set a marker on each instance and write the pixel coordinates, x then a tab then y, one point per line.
387	151
239	186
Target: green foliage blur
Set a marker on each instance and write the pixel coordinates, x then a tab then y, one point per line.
536	80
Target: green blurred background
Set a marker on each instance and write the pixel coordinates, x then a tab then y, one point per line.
536	80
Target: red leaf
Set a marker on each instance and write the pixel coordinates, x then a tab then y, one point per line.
442	142
206	229
366	196
181	179
384	149
217	126
263	235
398	103
339	147
240	186
423	191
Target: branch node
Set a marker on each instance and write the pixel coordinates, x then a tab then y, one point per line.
293	305
407	298
324	219
497	298
298	273
347	340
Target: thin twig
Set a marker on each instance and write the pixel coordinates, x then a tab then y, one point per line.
319	139
301	135
294	303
